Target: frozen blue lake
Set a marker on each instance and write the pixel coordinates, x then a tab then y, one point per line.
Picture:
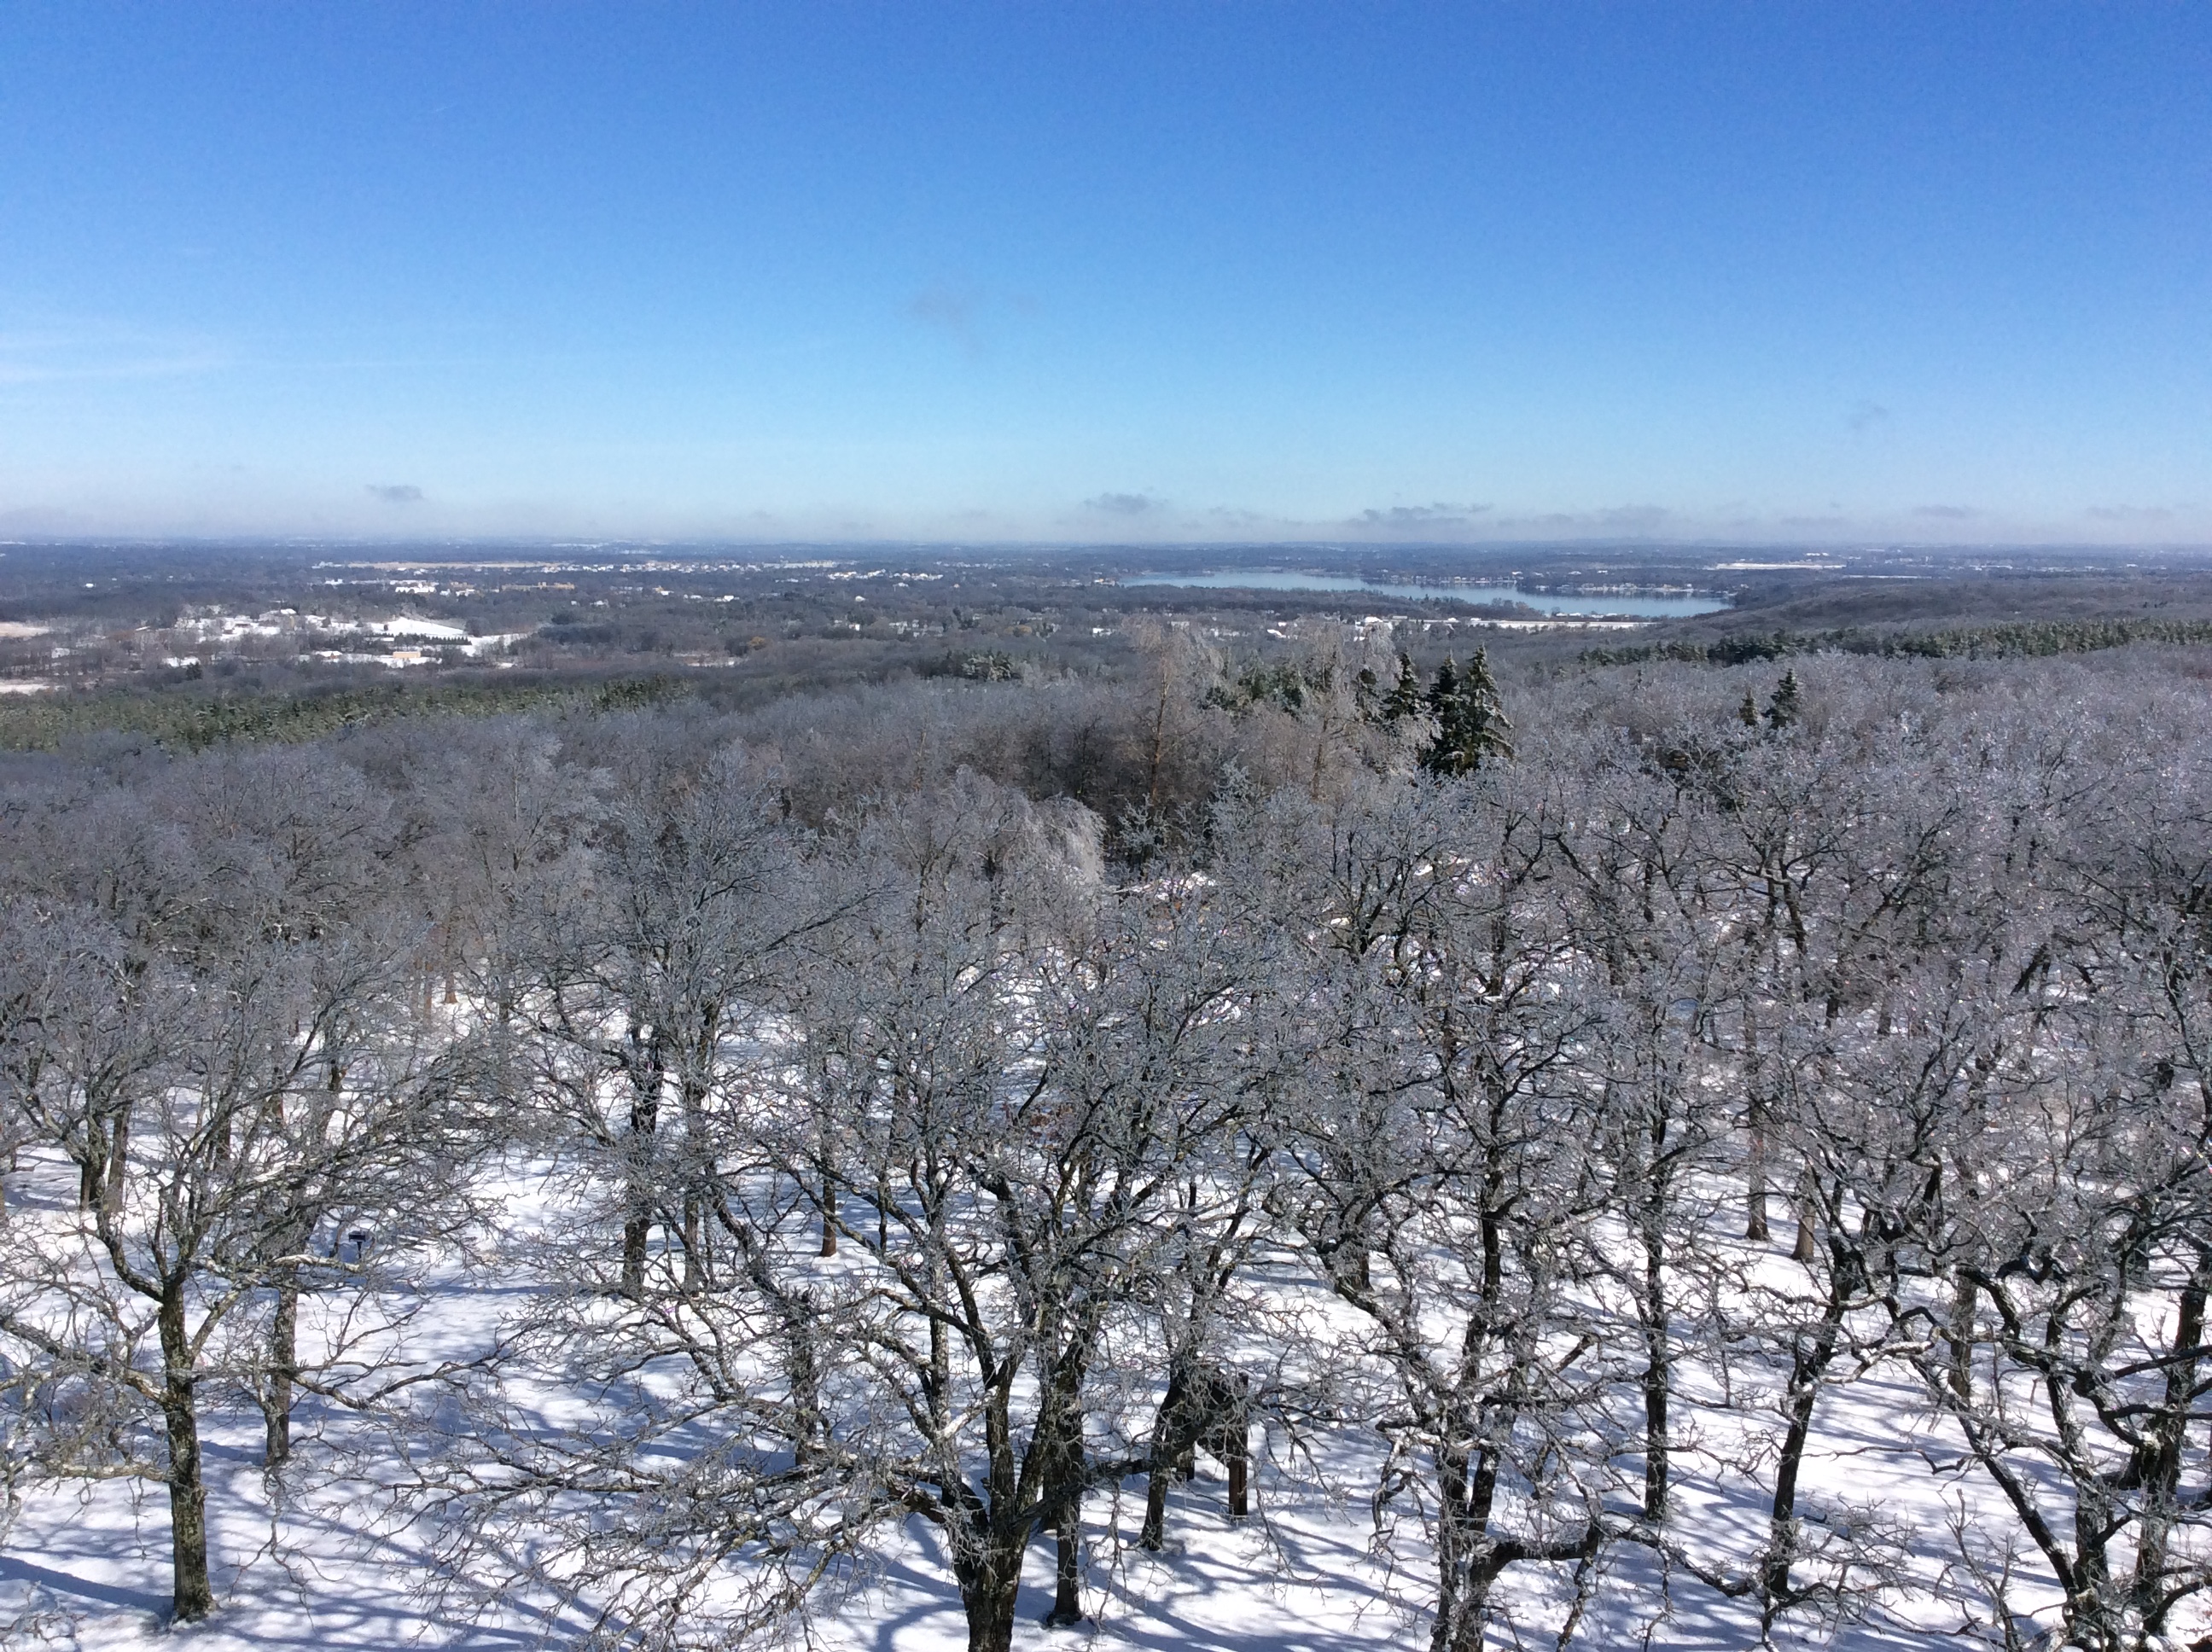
1642	605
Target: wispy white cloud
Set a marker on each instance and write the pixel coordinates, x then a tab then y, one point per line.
1419	519
1125	504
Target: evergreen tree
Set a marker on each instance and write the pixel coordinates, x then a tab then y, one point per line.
1471	722
1404	699
1783	710
1443	693
1747	712
1486	731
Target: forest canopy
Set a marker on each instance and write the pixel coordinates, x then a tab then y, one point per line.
1560	1105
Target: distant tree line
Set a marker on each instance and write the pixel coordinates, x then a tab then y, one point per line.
2022	640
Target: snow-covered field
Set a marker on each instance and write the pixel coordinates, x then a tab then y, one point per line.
1301	1575
329	1557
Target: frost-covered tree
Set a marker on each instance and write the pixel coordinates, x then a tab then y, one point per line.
243	1168
1439	1174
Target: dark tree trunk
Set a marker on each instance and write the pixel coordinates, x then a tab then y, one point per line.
695	1258
701	1175
1961	1336
646	1068
1058	1457
990	1591
283	1370
2158	1459
1467	1485
1154	1532
1808	1364
118	1163
193	1598
1067	1590
1755	1122
1169	1456
1658	1376
1806	1216
1754	1225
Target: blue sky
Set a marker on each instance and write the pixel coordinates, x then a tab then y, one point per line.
1108	271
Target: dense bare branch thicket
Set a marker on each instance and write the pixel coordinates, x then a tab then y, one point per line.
946	1105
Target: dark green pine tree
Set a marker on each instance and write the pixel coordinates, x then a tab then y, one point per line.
1444	691
1486	731
1782	710
1404	699
1747	712
1472	727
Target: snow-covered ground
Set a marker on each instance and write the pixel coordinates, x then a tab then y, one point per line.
322	1560
1301	1575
